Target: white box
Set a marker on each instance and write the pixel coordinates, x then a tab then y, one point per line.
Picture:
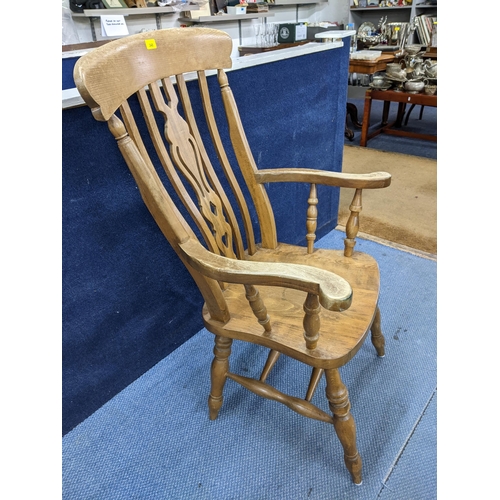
236	10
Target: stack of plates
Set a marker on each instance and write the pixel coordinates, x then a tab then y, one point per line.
394	78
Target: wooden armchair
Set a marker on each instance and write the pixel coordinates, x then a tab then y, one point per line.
316	306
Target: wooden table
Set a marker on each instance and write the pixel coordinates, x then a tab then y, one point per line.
402	98
370	67
364	67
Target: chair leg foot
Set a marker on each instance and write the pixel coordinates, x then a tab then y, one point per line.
218	374
377	337
343	422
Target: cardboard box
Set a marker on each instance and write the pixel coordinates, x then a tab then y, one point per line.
236	10
292	32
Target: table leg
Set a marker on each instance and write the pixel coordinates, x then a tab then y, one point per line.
401	112
385	112
366	119
408	114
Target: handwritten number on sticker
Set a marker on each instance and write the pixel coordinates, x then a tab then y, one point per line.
150	44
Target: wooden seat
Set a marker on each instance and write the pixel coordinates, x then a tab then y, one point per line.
314	305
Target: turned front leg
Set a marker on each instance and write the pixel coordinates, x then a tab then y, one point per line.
343	421
378	339
220	367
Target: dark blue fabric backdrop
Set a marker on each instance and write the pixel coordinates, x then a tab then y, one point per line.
127	301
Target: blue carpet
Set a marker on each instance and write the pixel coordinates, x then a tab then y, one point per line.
394	144
154	440
416	460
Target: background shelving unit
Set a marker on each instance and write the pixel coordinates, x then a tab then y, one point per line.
297	4
95	14
373	15
404	14
253	15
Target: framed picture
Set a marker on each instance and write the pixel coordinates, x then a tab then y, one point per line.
114	4
362	3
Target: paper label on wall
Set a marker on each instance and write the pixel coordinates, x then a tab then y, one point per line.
300	32
113	26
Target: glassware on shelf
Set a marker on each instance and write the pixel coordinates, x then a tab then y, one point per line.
434	34
266	34
354	40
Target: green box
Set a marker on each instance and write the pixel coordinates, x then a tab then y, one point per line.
292	32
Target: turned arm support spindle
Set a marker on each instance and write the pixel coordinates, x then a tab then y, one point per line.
312	218
352	226
373	180
258	307
311	320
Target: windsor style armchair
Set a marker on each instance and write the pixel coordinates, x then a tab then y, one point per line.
314	305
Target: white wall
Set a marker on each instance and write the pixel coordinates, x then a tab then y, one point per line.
333	10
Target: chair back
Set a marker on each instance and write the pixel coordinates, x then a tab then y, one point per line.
139	86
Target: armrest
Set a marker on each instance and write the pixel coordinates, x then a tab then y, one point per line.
334	292
373	180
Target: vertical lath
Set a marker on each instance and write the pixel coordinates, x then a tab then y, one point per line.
247	165
228	171
160	204
187	158
133	131
166	162
208	168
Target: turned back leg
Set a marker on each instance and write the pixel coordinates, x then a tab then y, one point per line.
378	339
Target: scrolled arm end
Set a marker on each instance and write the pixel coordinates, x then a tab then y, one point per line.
333	291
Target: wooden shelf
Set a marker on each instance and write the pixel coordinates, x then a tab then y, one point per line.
133	12
225	17
375	9
251	15
295	2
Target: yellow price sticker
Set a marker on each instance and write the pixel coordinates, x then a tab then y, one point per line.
150	44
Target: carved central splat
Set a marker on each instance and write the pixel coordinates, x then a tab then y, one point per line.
186	156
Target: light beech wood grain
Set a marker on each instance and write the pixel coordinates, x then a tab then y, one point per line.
314	305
